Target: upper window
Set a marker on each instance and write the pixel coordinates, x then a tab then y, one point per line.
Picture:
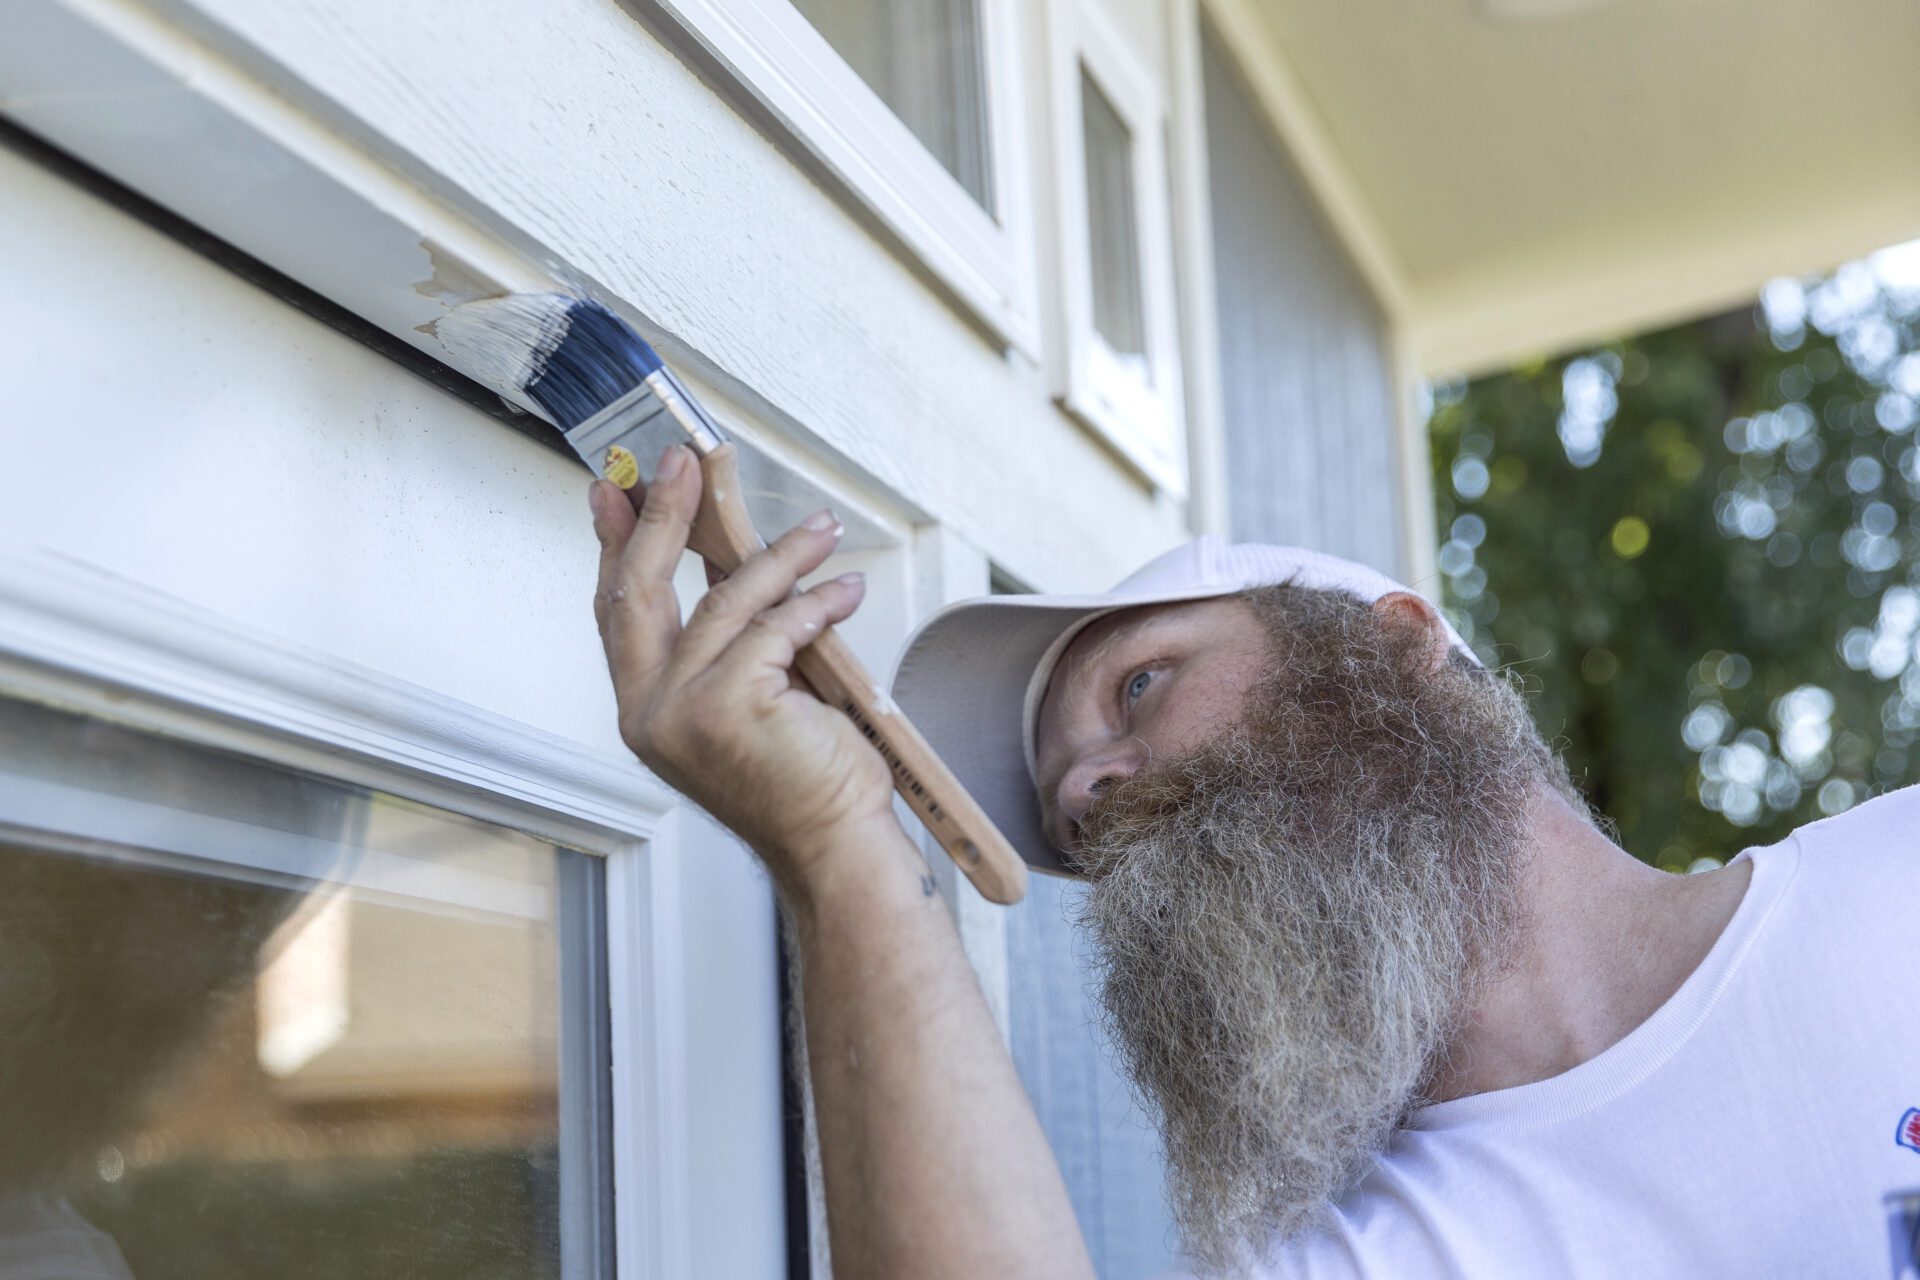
915	105
259	1023
1120	339
1113	226
923	58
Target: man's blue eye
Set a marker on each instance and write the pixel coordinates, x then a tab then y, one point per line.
1138	685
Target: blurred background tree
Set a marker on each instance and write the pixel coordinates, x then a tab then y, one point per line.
1700	549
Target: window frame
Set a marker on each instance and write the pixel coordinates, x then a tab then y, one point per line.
85	641
985	260
1142	419
203	837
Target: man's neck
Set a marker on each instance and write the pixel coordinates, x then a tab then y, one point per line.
1606	940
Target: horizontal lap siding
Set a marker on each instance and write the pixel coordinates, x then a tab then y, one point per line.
1307	375
1108	1151
587	133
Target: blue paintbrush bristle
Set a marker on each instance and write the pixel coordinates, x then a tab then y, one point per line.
572	357
598	359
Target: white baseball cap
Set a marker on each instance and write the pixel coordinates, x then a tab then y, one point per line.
972	676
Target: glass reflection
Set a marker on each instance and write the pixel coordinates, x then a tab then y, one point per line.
336	1057
923	59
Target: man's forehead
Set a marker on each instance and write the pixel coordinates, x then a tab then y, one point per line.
1104	634
1107	634
1100	638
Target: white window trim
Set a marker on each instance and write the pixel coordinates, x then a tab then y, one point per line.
986	260
79	638
1141	418
1193	247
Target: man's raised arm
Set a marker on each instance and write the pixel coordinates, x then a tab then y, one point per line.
935	1164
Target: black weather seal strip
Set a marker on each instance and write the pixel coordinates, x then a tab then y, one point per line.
793	1116
284	287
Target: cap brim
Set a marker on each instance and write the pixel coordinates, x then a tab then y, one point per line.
964	679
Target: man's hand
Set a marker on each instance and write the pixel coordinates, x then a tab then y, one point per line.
935	1166
713	707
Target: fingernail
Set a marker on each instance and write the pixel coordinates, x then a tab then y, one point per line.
670	462
595	501
855	579
820	521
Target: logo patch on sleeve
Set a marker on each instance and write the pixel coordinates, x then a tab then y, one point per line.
1908	1134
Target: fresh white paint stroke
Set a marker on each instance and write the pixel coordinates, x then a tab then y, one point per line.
638	179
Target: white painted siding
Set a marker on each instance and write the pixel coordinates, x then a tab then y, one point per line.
588	136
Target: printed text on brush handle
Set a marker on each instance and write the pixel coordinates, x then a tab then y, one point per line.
928	808
723	533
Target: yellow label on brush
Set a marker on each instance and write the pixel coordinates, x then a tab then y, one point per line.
621	467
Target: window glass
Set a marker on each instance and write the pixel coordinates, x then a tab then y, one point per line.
258	1023
923	58
1119	313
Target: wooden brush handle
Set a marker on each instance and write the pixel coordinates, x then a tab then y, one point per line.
724	534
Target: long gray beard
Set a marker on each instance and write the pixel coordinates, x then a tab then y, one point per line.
1293	921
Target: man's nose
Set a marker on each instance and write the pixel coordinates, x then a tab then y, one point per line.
1095	772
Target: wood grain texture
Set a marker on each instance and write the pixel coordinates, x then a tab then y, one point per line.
576	126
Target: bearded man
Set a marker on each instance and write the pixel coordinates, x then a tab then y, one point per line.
1398	1003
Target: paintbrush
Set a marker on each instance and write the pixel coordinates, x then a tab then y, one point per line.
616	402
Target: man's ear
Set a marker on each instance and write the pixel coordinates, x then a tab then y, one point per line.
1401	613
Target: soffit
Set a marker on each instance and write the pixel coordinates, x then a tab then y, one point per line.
1489	147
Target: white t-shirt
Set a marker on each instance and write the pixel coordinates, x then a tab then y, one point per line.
1760	1124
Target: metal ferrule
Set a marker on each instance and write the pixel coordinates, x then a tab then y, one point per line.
658	412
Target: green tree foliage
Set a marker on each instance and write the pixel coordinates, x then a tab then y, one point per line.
1700	548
